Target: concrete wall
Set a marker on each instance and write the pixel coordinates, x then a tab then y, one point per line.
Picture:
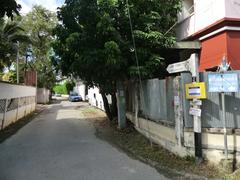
178	136
15	102
43	95
213	142
206	13
80	88
95	98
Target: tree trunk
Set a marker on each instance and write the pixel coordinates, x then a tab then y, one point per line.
106	106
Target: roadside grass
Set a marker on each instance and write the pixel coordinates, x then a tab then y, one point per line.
234	176
137	146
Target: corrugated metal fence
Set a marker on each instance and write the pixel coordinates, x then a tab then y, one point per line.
157	103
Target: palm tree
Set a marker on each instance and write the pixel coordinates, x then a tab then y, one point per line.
10	34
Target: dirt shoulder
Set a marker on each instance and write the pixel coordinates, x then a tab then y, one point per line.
138	147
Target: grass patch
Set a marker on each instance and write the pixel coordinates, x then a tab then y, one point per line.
137	146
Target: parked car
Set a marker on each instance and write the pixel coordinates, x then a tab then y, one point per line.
74	97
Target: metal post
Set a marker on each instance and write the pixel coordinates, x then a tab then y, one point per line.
197	120
197	133
224	125
17	62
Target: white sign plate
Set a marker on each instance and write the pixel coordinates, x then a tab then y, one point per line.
189	65
196	102
195	111
176	100
197	124
178	67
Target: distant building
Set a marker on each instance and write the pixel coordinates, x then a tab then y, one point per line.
80	88
216	24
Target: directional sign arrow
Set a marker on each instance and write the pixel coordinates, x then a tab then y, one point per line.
188	65
178	67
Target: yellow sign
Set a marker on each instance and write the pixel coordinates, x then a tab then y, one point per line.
196	90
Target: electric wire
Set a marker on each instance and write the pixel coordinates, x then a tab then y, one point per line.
138	69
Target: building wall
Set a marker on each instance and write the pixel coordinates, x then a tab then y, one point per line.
80	88
15	103
95	98
213	50
216	24
43	95
232	8
233	48
206	14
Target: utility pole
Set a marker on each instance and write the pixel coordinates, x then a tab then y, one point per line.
192	65
17	62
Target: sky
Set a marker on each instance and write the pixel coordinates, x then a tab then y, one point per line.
49	4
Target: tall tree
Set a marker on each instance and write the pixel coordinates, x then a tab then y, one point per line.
10	33
95	36
9	8
39	23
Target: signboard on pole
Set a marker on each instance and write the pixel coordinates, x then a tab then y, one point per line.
195	111
223	82
196	90
189	65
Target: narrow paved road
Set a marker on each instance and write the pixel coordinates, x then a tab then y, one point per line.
60	144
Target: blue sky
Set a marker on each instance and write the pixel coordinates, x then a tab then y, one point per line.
49	4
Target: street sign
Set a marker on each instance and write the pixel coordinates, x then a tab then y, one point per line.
196	90
223	82
188	65
178	67
195	111
196	102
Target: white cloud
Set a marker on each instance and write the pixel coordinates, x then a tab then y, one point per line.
49	4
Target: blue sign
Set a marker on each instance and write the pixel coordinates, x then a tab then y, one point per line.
223	82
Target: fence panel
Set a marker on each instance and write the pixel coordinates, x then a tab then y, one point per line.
212	108
156	100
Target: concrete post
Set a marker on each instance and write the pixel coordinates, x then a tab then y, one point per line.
121	105
136	105
5	114
178	110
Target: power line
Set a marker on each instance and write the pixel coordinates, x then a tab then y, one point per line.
138	68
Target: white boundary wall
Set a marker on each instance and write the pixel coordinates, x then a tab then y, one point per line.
95	98
80	88
43	95
16	102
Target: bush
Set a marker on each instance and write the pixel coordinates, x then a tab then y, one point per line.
64	88
60	89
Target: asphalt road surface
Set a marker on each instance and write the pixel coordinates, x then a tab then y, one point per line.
59	144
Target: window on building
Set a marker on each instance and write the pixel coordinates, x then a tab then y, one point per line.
189	6
187	9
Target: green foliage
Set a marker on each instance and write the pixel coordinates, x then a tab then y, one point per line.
64	88
69	86
9	8
60	89
39	23
95	36
10	33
